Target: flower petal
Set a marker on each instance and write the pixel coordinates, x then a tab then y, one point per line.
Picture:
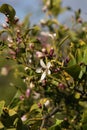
48	72
42	64
43	76
38	70
49	65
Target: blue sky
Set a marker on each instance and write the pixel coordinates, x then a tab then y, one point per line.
33	7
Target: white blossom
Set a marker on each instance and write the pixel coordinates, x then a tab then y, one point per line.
45	69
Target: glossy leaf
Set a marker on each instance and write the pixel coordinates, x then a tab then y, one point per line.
73	71
8	10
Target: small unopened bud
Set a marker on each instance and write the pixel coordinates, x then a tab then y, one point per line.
9	39
7	20
79	20
39	105
61	86
4	71
42	22
26	68
22	97
27	93
10	45
66	60
5	26
24	118
44	82
44	50
44	9
39	54
57	70
51	52
12	52
31	46
47	103
31	85
16	19
18	31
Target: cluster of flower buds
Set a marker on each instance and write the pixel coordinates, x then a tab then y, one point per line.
18	39
7	20
26	95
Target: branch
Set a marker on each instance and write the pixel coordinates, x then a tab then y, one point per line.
55	110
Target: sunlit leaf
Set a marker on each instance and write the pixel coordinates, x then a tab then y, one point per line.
1	126
34	107
2	103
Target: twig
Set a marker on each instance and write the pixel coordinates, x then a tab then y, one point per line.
55	110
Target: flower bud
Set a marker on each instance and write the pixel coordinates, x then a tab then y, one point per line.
66	60
22	97
27	93
4	71
16	19
7	20
39	105
44	50
61	86
47	103
24	118
51	52
5	26
31	46
39	54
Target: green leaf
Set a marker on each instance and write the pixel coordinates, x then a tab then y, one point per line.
72	60
84	127
15	101
83	70
34	107
56	125
73	70
79	57
2	103
8	10
85	57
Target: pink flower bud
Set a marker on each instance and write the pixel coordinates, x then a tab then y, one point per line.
61	86
39	54
5	26
31	46
39	105
27	93
22	97
24	118
51	52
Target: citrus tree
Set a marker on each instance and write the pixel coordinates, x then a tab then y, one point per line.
51	61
